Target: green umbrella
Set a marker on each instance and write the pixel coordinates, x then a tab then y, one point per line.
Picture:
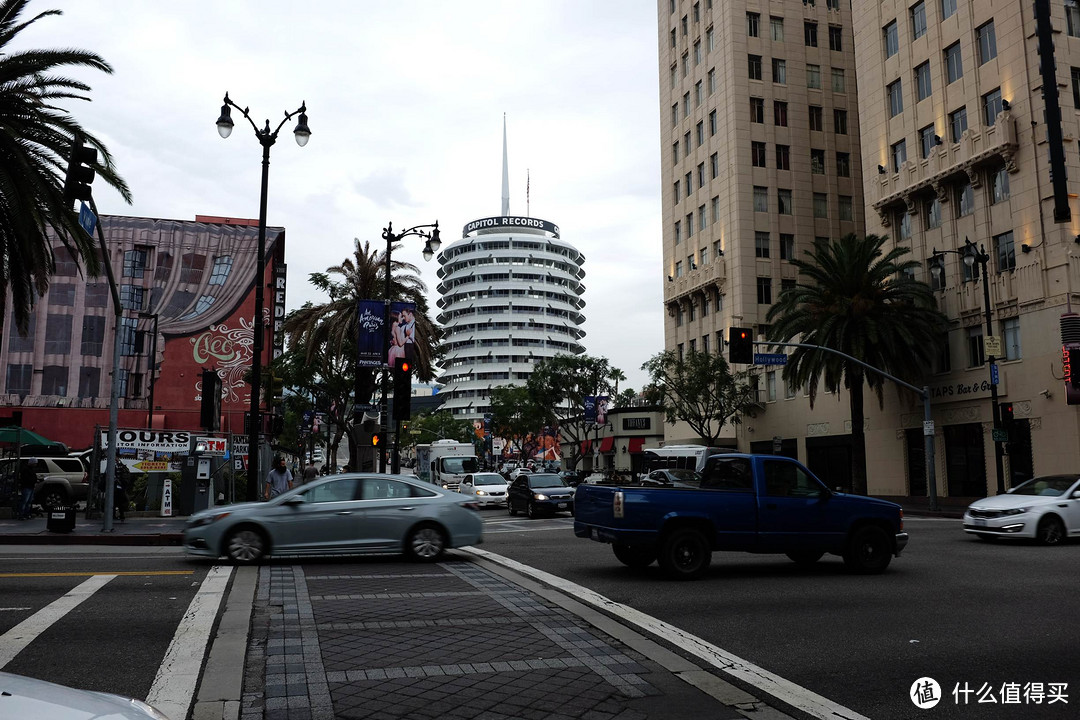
22	436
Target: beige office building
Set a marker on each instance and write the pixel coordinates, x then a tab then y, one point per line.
950	120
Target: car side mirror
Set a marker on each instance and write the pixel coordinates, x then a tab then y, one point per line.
1076	495
295	500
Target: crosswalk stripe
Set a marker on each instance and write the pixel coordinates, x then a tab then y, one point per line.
14	640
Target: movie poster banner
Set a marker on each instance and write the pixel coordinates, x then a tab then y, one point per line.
402	333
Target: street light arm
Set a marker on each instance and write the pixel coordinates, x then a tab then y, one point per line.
418	230
266	135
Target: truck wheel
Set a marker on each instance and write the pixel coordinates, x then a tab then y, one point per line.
685	554
425	544
805	557
868	551
245	546
634	557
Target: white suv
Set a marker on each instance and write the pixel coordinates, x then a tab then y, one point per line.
62	480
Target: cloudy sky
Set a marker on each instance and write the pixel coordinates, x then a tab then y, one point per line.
405	103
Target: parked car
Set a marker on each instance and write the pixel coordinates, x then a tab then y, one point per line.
26	697
485	488
62	480
685	478
540	493
1045	508
340	514
571	477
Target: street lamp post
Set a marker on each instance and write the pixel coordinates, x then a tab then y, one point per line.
266	138
432	243
972	253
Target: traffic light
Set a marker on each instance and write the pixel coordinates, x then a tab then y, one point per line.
402	389
210	411
1006	414
378	440
277	389
740	346
80	171
277	425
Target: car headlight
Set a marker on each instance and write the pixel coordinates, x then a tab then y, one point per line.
481	492
210	518
1015	511
539	496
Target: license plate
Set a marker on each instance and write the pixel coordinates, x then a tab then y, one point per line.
562	506
979	521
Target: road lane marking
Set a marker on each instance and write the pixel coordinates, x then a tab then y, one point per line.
14	640
786	691
173	690
92	574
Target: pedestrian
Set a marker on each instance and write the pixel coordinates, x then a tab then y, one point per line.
278	480
27	483
310	473
120	497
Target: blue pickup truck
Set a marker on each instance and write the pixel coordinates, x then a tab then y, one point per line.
748	503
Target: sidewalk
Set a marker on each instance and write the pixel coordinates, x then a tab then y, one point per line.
143	529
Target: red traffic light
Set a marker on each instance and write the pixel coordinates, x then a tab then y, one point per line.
404	366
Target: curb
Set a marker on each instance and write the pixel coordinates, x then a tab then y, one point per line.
159	539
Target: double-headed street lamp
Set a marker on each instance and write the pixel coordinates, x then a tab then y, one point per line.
971	253
266	138
431	246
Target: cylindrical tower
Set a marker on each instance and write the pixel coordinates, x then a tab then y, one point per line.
510	295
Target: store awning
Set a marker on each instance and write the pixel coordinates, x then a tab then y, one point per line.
586	445
607	445
637	445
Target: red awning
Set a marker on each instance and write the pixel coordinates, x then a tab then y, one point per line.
607	445
636	445
585	446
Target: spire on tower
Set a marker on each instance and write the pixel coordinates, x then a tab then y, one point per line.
506	176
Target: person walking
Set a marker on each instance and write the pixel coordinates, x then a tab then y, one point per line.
27	483
278	480
310	473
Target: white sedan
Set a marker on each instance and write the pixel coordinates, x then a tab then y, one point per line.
485	488
1045	508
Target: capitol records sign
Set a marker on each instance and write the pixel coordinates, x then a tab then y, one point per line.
279	309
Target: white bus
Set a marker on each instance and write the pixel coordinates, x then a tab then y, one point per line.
680	457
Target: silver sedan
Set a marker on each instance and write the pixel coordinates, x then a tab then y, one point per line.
341	514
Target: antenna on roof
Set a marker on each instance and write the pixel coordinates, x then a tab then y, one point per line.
506	176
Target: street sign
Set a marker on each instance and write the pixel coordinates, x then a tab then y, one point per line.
770	359
992	345
928	427
87	219
993	374
152	465
211	445
414	432
1000	435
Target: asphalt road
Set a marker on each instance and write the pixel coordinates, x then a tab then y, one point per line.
951	608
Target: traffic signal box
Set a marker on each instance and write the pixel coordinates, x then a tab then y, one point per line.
740	346
378	440
402	389
80	171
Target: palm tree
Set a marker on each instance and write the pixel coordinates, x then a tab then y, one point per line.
36	138
854	297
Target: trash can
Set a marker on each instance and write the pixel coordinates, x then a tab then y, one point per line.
60	519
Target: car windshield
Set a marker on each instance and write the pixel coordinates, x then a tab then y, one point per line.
458	465
1049	486
544	481
489	479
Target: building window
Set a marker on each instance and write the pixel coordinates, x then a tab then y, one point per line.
754	63
757	154
836	38
999	185
191	267
135	263
705	338
700	127
675	114
1006	251
1072	18
678	270
702	224
838	80
817	161
776	27
954	65
54	380
846	208
676	188
761	199
62	294
710	40
97	295
753	24
991	107
761	244
821	205
932	213
810	34
1076	86
688	184
689	225
892	39
19	378
957	124
1010	332
948	7
712	123
764	291
757	110
686	104
922	80
965	199
832	4
714	165
987	42
128	332
899	155
678	232
701	175
787	246
918	20
697	53
698	94
780	113
675	153
926	141
93	335
131	297
779	71
89	382
783	157
58	334
839	118
975	347
896	98
65	262
784	200
770	386
813	76
685	26
903	225
716	217
712	80
817	121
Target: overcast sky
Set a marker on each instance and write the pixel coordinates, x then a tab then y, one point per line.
405	103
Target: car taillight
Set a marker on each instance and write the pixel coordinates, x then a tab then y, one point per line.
901	518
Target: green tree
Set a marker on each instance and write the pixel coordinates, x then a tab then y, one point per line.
36	137
700	390
442	425
857	298
514	415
